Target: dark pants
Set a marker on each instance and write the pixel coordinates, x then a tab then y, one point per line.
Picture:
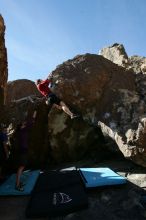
53	99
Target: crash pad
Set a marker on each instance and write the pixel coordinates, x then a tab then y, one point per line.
57	194
29	179
94	177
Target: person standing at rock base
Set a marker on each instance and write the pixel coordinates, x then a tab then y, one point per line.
51	98
22	136
4	151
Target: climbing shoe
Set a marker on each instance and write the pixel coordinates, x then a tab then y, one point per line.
74	116
19	188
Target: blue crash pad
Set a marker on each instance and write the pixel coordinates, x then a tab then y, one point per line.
29	178
94	177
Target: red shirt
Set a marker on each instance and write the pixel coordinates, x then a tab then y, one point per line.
43	87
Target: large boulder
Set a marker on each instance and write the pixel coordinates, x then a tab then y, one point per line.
3	63
106	95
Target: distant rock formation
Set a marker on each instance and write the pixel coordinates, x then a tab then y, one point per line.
21	88
3	63
116	53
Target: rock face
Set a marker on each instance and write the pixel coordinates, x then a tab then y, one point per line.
19	89
92	82
38	133
117	54
3	62
73	140
135	135
138	64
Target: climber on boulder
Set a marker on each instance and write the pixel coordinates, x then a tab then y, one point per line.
51	98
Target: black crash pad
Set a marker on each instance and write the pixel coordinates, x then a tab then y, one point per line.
57	194
50	180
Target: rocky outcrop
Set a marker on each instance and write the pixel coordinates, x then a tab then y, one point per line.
108	97
116	53
3	63
135	136
137	64
19	89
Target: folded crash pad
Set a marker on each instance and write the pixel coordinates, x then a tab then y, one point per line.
94	177
50	180
28	178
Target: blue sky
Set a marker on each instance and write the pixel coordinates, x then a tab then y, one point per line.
41	34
